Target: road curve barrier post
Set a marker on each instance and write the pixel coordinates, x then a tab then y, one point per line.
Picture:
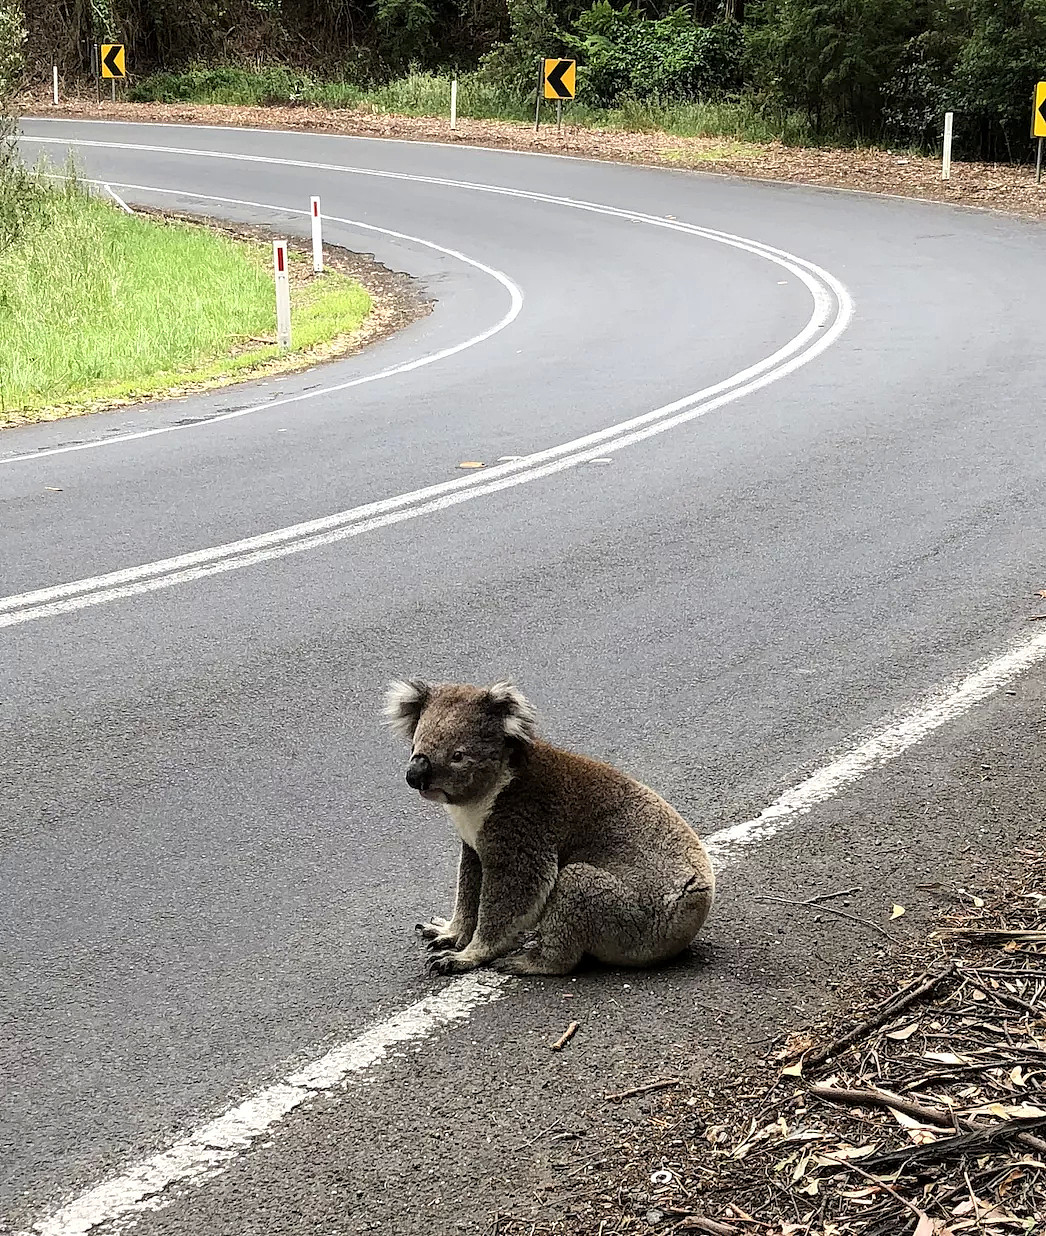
283	294
454	103
946	158
317	236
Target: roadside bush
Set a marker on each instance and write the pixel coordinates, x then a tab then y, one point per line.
832	58
995	71
671	59
534	32
14	190
264	85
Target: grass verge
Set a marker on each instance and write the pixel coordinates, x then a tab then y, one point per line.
428	94
102	307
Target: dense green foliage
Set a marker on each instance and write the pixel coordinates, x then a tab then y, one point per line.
13	197
873	70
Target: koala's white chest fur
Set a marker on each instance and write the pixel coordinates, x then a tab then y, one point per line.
468	818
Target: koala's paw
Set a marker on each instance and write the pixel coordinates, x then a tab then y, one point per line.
514	963
450	962
429	931
448	940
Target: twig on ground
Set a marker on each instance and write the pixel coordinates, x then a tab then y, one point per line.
646	1088
881	1183
818	897
812	905
698	1223
1004	996
915	990
566	1036
883	1098
979	1139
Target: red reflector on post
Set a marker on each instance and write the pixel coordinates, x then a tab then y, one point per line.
280	252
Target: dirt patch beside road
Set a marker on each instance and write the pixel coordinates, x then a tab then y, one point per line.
923	1110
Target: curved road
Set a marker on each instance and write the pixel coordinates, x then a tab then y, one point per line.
781	478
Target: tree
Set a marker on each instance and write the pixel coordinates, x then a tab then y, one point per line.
831	57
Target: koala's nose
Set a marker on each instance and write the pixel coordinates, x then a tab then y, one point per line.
419	773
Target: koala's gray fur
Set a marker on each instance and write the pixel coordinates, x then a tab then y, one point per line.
594	861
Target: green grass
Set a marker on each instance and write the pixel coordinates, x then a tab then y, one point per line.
428	94
100	305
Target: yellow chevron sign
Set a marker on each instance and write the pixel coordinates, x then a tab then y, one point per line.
559	78
113	60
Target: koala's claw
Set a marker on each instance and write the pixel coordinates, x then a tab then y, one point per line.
441	943
449	962
430	930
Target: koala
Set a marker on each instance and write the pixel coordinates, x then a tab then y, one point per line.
554	845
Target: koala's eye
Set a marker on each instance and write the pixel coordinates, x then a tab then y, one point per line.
458	757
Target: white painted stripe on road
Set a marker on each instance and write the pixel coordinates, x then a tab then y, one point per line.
630	216
885	745
214	1145
116	197
830	316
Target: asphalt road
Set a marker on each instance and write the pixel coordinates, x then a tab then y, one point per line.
210	863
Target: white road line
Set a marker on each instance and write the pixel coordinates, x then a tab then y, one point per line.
215	1145
887	744
513	311
116	197
630	216
831	314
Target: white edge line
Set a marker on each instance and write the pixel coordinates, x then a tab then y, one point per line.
116	197
210	1148
596	160
883	746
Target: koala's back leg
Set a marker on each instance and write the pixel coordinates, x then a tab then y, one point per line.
594	911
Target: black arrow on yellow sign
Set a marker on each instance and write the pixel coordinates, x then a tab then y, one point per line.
560	76
113	60
1038	120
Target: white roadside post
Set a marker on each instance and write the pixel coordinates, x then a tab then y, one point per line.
454	103
283	294
317	236
946	161
54	83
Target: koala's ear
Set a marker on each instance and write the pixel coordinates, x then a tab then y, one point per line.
519	714
404	703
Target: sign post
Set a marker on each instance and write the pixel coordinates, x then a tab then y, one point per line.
1038	125
317	237
283	294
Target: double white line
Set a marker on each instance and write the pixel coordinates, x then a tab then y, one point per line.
832	310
